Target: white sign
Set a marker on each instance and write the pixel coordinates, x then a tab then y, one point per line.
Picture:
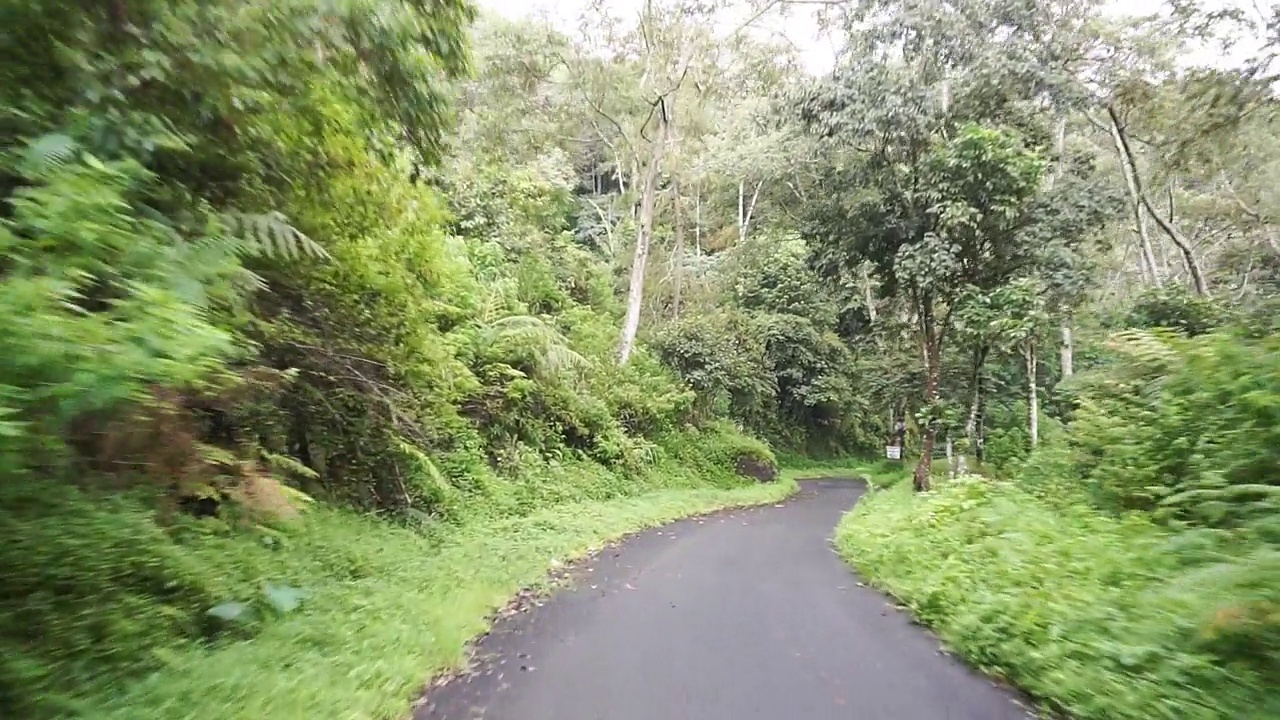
893	452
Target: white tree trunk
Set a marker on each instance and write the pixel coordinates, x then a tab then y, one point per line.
1068	351
644	235
952	468
867	295
1166	226
742	209
1147	255
697	218
1033	394
746	208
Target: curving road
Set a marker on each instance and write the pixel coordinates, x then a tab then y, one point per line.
747	615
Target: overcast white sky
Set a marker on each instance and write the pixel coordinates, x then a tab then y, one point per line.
801	29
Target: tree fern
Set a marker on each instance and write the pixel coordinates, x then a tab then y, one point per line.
52	149
553	358
272	235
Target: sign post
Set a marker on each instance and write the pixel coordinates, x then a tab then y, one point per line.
893	452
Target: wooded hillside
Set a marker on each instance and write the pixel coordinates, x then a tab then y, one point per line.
286	279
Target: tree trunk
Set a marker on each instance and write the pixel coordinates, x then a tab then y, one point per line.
868	297
742	210
697	218
1068	351
1033	394
678	250
933	371
1184	247
644	234
972	423
951	458
1147	255
746	208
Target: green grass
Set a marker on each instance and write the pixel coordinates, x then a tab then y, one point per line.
879	473
387	609
1099	616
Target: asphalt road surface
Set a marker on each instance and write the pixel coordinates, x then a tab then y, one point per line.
746	615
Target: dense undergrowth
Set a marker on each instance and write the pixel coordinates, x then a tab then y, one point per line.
1129	568
381	609
310	325
1100	616
248	292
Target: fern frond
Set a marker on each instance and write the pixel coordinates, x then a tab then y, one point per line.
287	465
553	356
52	149
272	235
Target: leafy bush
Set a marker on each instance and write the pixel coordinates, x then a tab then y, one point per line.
1177	309
1100	616
1177	427
99	302
236	269
771	356
100	595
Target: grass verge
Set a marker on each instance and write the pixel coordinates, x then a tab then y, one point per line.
1095	615
880	474
387	609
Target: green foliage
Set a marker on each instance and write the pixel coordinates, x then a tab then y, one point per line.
1175	309
723	357
106	615
100	301
1178	427
1098	616
99	592
250	275
242	287
771	357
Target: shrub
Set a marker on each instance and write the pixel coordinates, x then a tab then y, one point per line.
1100	616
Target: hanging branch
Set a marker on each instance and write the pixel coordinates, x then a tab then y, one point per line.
1193	266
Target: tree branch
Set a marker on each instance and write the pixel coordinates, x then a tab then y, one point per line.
1193	266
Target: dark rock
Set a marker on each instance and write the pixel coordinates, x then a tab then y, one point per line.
761	470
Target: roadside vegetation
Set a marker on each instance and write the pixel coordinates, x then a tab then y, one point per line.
326	327
1128	568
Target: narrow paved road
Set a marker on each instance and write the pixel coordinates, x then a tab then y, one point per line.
748	615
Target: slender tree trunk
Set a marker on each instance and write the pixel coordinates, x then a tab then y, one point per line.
1068	351
742	210
952	469
1147	256
1033	392
678	250
1184	247
644	235
1059	167
971	424
933	371
868	297
746	208
617	170
635	173
697	218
